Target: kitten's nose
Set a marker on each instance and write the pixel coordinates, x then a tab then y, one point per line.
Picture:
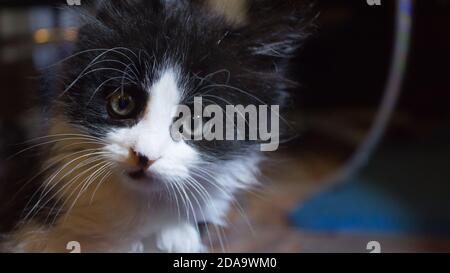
141	160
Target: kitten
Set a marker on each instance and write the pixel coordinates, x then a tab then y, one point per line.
113	178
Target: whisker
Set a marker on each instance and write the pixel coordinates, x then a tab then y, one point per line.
107	174
62	191
101	85
242	92
194	216
77	54
211	202
50	180
201	210
228	194
176	200
46	168
176	187
122	63
41	144
85	184
93	61
132	78
64	135
46	191
100	170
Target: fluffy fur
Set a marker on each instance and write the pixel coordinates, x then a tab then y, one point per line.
166	52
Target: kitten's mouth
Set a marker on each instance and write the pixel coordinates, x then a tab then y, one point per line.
140	175
142	180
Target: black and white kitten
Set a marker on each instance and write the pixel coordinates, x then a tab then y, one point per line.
112	177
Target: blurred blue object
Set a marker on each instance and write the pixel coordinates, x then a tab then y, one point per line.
355	206
405	189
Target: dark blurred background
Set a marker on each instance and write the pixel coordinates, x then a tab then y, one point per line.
342	70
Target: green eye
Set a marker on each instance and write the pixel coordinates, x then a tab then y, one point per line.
121	105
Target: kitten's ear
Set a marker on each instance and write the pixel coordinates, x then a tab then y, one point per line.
111	10
104	17
107	16
275	28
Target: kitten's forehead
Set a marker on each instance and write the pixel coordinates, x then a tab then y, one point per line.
164	95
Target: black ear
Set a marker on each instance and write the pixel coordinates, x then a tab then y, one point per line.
110	11
109	16
276	28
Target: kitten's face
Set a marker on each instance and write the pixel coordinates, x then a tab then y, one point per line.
144	147
138	62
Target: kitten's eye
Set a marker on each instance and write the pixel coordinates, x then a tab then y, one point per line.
121	105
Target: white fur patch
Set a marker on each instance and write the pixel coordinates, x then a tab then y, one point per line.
183	238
